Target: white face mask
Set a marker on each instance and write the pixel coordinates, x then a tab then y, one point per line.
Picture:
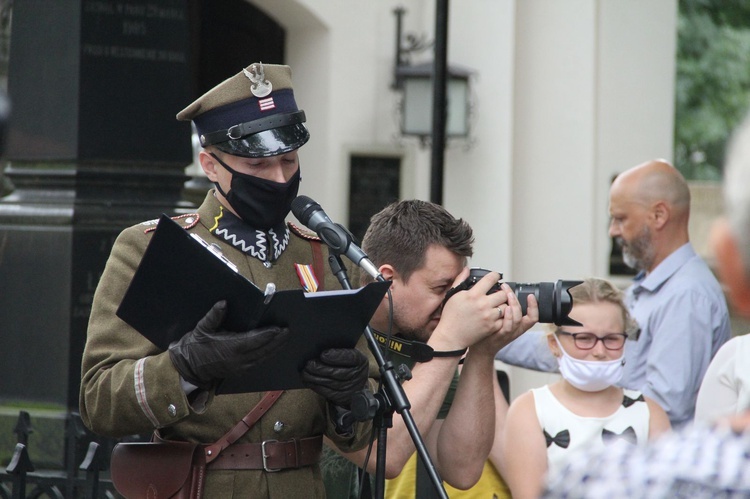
589	375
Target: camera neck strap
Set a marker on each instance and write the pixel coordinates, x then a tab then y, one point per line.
463	286
415	350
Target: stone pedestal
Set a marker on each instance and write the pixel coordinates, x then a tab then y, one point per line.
93	147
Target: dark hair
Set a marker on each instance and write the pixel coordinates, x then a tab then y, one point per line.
400	234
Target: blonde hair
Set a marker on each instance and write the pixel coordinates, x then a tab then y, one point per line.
595	290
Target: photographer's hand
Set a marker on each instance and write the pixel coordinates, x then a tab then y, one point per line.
514	323
532	313
469	316
208	352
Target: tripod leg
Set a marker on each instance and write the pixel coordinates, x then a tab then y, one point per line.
425	488
365	487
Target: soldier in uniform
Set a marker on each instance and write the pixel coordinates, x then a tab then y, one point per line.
250	130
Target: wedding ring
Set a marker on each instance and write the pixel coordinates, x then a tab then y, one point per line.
499	309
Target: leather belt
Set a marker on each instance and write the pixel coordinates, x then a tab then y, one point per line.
269	455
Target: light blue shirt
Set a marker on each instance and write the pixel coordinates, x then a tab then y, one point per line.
683	321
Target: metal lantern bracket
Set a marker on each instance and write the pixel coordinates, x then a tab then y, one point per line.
415	44
415	82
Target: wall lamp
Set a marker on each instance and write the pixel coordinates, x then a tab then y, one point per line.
416	84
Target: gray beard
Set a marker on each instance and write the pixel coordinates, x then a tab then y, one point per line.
638	254
631	261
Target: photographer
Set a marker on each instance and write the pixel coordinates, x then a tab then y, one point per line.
422	249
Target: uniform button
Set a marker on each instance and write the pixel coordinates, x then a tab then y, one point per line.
189	220
267	265
172	410
278	426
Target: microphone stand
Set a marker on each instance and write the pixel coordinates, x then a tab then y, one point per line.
385	403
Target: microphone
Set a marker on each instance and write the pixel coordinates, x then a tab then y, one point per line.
336	237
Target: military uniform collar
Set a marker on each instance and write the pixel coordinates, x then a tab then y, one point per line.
265	245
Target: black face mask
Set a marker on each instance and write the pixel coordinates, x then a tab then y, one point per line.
260	203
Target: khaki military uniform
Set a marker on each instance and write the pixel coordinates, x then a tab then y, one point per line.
129	386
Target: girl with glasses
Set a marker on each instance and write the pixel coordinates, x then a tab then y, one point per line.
585	409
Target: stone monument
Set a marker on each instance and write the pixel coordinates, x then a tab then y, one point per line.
93	146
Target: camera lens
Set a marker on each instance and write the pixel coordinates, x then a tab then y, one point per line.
553	298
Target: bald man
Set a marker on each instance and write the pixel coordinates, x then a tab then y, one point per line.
675	298
649	207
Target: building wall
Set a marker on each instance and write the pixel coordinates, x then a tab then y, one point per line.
343	72
594	96
566	94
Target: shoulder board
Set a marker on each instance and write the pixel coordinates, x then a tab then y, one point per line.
187	221
303	233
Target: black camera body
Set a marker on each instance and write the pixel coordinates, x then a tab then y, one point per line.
553	298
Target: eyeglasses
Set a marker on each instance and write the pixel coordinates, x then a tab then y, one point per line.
587	341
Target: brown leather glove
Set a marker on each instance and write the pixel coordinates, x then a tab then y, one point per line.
337	374
209	353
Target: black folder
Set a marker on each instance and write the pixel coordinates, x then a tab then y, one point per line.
180	278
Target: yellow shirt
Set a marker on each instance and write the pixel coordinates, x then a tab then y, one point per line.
489	486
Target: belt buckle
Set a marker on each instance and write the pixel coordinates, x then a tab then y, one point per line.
265	456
